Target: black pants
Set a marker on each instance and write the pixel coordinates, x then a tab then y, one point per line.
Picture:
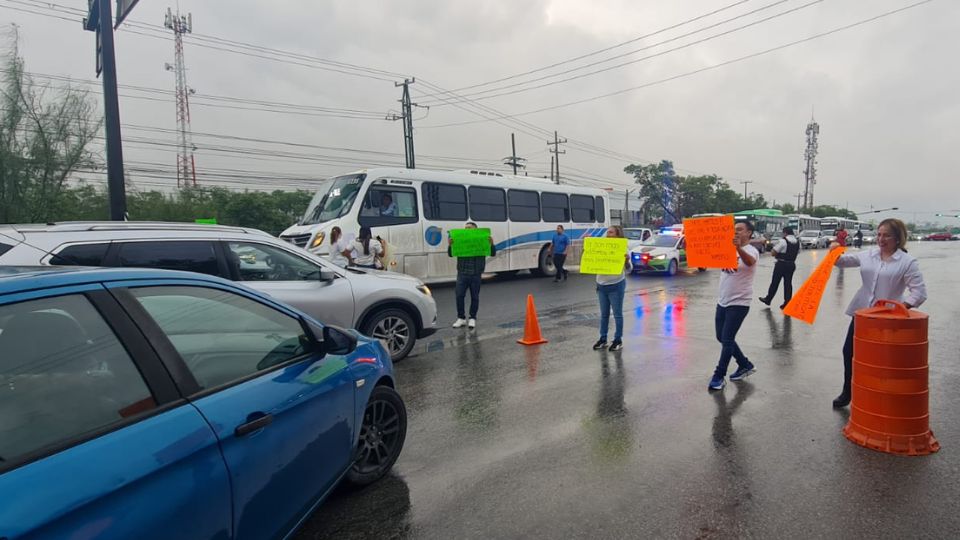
465	282
727	323
782	270
848	359
558	260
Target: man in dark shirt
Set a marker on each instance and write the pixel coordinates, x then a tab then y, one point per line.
469	272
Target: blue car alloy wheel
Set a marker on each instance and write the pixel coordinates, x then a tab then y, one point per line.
381	436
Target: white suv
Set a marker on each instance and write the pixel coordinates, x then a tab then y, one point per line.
395	308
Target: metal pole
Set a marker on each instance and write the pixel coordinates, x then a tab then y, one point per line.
513	145
556	146
111	113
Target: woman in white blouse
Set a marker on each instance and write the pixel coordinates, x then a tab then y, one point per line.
887	271
366	250
340	250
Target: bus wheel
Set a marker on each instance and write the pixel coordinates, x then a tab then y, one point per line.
545	264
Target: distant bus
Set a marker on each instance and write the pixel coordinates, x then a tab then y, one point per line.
803	222
766	221
413	210
830	225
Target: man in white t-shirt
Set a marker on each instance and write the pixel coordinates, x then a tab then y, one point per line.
736	290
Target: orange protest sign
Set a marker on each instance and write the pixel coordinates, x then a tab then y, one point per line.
806	302
710	242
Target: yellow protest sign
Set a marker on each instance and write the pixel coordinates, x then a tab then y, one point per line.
710	242
806	302
603	255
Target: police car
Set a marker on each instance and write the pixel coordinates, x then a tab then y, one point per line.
665	252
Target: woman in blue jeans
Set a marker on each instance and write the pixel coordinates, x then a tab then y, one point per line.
610	291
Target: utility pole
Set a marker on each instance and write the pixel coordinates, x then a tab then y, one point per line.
513	160
810	155
745	184
556	155
186	166
100	20
407	117
799	196
626	206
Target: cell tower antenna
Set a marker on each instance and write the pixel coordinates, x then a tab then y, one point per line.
186	166
810	155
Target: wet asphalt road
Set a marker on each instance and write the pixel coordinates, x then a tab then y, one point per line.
559	441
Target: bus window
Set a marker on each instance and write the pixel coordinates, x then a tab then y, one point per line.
444	202
388	205
524	205
487	204
582	208
556	209
601	212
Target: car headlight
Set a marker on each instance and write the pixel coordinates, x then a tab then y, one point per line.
660	257
424	289
318	240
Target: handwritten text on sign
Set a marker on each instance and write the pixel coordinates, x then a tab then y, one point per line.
603	255
470	242
710	242
806	302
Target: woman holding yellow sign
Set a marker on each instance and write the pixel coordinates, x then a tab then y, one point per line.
887	271
610	291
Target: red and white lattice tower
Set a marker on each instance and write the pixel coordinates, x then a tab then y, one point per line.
186	170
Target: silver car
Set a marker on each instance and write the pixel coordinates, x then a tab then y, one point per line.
395	308
813	239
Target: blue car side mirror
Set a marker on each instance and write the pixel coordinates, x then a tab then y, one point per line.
333	339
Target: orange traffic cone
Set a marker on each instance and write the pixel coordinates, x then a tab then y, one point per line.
531	329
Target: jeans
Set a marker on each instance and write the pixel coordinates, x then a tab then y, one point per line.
611	296
558	260
465	282
728	321
782	270
848	359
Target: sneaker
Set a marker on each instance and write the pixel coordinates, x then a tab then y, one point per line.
716	383
616	345
459	323
471	324
764	300
842	400
600	344
743	372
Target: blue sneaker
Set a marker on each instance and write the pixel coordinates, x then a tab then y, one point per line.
716	383
743	372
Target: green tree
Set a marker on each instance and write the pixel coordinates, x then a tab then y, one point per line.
652	191
44	139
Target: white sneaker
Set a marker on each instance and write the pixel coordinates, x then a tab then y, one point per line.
459	323
472	323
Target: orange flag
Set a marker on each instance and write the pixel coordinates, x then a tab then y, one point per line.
806	302
710	242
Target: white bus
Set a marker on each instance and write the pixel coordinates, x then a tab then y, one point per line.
803	222
830	225
413	209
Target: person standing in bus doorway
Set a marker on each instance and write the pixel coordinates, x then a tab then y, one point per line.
610	292
558	250
785	252
469	274
366	250
858	239
339	248
842	236
736	290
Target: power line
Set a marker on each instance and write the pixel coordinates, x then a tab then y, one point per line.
492	93
601	51
699	70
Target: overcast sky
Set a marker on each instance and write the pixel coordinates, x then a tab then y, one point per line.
885	93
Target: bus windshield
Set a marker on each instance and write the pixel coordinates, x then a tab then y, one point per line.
333	199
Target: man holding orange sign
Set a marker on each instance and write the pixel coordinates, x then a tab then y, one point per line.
736	292
708	242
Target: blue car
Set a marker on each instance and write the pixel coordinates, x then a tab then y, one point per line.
154	404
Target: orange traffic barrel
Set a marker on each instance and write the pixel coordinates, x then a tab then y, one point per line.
889	405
